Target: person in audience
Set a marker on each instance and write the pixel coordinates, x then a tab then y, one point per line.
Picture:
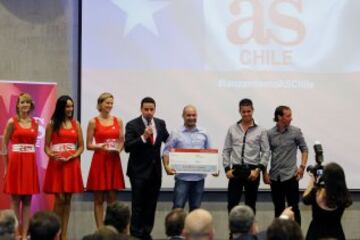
329	197
242	223
174	224
199	225
21	175
44	225
118	215
63	144
8	223
106	232
105	138
283	229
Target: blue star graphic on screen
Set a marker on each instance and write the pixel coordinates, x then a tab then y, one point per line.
140	13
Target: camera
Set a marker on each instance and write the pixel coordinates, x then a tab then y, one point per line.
317	169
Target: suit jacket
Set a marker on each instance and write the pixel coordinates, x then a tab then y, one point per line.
144	157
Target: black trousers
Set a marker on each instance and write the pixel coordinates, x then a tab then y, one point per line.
286	191
144	198
235	190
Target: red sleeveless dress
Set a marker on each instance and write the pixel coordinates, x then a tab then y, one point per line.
64	177
105	171
22	173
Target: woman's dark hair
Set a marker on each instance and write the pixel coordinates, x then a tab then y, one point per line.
59	114
337	193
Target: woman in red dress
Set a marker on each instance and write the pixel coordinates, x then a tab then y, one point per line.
105	176
21	175
63	144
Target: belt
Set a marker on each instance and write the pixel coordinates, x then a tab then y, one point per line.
23	147
63	147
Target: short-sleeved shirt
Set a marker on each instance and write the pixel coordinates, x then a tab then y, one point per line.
194	138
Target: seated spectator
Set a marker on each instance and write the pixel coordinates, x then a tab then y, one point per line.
283	229
174	224
44	226
106	232
8	223
199	225
118	216
242	223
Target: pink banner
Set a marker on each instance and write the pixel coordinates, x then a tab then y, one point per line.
44	96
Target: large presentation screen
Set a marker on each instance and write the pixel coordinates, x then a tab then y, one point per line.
212	53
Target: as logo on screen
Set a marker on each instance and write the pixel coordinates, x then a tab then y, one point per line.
269	25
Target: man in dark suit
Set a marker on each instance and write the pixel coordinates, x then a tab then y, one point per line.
143	139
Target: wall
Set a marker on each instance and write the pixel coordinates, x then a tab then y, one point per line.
39	42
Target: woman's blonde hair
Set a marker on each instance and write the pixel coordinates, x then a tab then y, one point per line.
102	98
27	98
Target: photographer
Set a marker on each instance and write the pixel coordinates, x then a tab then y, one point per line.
328	195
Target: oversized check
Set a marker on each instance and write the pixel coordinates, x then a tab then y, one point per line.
194	160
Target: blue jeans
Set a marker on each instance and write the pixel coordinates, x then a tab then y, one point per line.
188	190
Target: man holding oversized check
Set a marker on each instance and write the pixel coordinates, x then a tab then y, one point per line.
187	154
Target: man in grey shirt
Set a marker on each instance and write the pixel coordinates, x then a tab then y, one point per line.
284	140
246	146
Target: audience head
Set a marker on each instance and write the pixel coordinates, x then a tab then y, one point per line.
337	193
118	216
174	222
105	233
281	229
242	220
198	225
44	226
8	222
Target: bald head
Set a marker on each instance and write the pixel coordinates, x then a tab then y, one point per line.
199	225
189	107
190	116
